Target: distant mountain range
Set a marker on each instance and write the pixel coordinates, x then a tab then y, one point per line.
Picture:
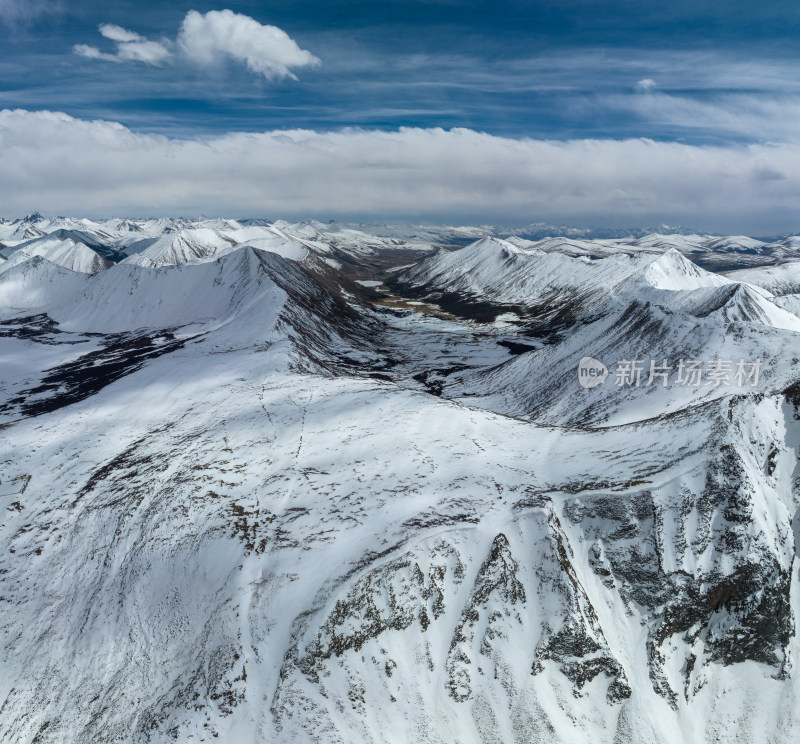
117	239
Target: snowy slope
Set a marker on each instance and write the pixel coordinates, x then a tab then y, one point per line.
66	252
271	238
367	238
198	245
534	282
543	384
528	281
673	272
667	311
234	582
683	243
790	303
35	283
178	248
781	279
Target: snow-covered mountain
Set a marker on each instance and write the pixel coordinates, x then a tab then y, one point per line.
179	248
270	482
198	245
69	252
492	275
666	309
112	238
781	279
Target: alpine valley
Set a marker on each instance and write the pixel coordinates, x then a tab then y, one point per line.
322	482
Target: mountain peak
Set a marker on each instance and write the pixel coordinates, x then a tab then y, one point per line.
673	271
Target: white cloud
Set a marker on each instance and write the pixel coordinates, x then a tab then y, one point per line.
761	117
219	34
131	47
210	39
645	84
56	163
117	33
90	52
149	52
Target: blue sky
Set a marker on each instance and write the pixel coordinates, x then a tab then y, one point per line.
704	74
542	69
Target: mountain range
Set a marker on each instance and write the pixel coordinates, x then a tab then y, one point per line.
317	482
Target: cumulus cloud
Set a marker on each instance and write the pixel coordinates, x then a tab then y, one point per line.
219	34
131	47
645	84
208	40
57	163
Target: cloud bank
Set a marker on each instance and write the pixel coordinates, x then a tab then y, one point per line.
60	164
210	40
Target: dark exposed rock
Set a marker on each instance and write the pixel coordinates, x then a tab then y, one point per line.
495	592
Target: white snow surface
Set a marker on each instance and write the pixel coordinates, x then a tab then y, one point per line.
68	253
198	245
781	279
